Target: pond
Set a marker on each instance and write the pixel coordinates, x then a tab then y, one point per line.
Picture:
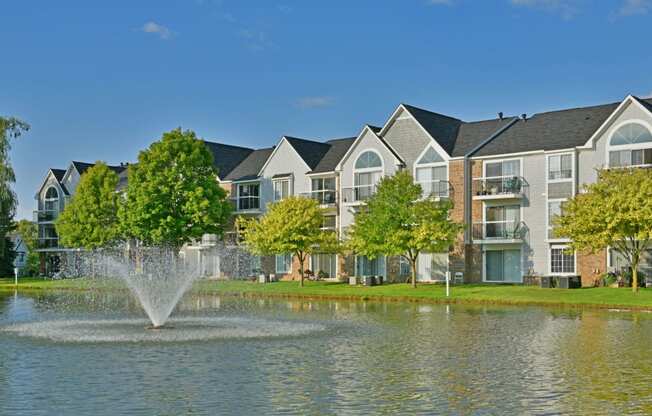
72	353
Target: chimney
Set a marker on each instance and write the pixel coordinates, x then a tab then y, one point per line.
524	116
500	115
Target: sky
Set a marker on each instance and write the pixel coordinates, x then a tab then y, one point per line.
103	81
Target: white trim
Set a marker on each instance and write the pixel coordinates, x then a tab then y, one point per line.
365	129
289	180
605	125
508	155
434	141
37	196
634	146
448	267
501	248
278	146
562	246
337	265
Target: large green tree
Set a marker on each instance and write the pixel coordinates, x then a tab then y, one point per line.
292	225
172	195
615	212
398	221
10	128
90	219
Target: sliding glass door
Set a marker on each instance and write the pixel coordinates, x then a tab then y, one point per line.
503	266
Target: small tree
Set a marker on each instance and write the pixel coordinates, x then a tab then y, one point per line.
398	221
292	225
28	232
172	195
90	219
615	212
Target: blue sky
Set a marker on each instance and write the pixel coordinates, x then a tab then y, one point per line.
104	81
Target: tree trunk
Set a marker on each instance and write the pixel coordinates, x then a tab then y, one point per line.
635	274
413	263
300	269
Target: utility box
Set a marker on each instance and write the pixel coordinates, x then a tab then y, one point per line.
569	282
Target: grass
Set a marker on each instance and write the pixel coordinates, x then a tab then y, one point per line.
435	293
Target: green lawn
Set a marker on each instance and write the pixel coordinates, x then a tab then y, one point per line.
499	294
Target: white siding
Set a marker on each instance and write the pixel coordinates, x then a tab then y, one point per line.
284	160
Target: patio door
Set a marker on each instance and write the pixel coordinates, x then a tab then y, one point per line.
503	266
432	267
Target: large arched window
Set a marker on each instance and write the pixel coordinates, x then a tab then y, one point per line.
630	145
367	172
431	173
51	201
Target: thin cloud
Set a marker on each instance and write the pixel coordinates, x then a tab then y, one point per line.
634	8
567	9
157	29
314	102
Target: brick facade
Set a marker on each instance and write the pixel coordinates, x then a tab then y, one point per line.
590	266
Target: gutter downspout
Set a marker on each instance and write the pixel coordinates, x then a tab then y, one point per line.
468	179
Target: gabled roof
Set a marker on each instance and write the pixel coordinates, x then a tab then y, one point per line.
337	150
58	173
472	134
250	166
374	131
552	130
440	127
226	157
310	151
84	166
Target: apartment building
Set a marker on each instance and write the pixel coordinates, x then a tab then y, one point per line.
507	177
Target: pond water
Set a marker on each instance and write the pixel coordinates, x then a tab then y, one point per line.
89	353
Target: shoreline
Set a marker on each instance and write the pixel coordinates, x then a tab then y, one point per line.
512	295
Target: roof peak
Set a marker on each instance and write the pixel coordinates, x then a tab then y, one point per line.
409	106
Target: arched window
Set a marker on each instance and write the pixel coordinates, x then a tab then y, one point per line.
368	160
366	174
630	145
51	200
431	173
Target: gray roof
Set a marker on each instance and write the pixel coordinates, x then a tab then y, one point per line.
310	151
472	134
552	130
226	157
84	166
335	153
58	175
250	166
441	127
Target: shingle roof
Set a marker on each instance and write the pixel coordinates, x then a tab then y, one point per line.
310	151
441	127
550	131
58	173
337	150
226	157
83	167
250	166
472	134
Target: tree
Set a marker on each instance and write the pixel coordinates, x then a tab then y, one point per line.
28	232
90	219
398	221
10	128
615	212
172	195
7	257
292	225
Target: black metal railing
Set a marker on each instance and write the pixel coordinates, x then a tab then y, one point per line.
502	185
246	203
436	189
45	215
499	230
358	193
323	196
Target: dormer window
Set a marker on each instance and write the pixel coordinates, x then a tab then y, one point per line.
630	146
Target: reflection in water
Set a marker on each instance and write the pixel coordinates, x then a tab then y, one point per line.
366	358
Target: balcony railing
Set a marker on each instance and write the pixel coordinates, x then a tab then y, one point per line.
499	230
501	186
246	203
47	242
358	193
45	215
323	197
436	189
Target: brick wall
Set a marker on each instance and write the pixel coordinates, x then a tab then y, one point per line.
591	265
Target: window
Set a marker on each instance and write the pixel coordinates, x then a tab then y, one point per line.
561	261
431	156
560	167
248	196
502	222
328	222
554	210
433	180
323	190
503	168
503	266
255	265
324	264
51	201
368	160
365	266
404	267
282	189
283	263
630	145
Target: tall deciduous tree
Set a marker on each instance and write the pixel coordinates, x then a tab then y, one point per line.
292	225
172	195
10	128
90	219
398	221
615	212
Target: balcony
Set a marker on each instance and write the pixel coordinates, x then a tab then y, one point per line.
44	243
500	187
436	189
325	197
246	204
499	232
357	194
45	215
